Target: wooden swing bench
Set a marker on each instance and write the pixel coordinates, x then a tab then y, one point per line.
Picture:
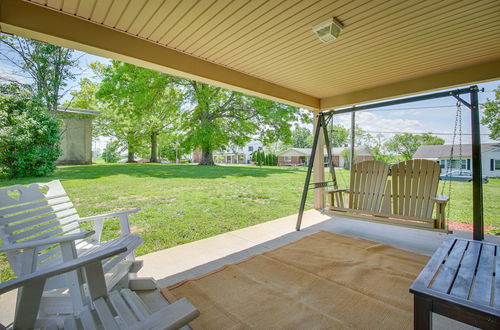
408	199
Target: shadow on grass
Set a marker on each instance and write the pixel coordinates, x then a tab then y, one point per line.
148	170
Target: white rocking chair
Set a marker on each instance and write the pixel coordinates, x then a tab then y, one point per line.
114	310
40	228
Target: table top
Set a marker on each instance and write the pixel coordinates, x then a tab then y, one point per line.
463	272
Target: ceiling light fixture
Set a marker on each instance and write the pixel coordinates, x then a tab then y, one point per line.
328	31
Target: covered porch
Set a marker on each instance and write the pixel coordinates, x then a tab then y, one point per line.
387	50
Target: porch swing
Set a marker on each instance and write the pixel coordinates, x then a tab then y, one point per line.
406	195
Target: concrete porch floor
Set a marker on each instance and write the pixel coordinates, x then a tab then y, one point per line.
196	258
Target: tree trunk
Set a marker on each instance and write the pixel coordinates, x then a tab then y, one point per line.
154	148
131	156
206	157
131	152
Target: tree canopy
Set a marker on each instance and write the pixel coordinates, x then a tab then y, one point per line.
147	102
407	144
491	115
48	67
214	118
302	137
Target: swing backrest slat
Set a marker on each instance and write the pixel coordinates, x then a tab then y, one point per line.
414	184
367	185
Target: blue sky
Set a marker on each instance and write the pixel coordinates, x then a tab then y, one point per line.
435	116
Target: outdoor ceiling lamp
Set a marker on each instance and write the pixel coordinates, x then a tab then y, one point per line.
328	31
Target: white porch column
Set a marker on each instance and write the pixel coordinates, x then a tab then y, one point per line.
319	169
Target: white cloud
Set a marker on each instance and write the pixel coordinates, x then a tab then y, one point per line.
370	121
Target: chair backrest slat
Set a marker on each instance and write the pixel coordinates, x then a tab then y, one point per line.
16	209
37	211
414	184
368	180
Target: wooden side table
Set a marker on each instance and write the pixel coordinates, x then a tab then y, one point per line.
461	281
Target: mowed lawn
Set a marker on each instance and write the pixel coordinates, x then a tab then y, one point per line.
184	203
179	203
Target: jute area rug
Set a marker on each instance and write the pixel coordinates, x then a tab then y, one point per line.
321	281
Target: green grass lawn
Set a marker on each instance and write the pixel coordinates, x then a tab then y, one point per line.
184	203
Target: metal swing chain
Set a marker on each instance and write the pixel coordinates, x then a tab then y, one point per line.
458	125
331	145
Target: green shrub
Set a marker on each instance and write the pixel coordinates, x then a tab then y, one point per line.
260	158
111	152
29	137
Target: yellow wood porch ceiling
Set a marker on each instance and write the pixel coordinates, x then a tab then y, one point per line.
383	42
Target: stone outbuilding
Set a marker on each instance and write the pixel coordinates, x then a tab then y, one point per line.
76	139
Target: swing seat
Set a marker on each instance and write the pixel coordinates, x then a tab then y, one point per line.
407	199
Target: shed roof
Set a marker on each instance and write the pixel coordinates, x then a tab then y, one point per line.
440	151
267	48
62	109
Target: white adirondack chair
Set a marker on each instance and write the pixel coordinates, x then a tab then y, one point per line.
39	228
114	310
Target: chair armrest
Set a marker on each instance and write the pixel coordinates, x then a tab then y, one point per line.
108	215
46	241
62	268
441	199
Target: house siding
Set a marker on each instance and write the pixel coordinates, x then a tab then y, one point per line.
487	158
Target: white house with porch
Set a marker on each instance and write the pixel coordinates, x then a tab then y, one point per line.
490	157
238	155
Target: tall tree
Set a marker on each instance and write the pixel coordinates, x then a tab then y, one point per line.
339	135
491	115
407	144
302	137
117	119
215	118
48	67
145	97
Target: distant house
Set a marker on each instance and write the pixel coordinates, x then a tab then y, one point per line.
490	157
300	156
236	155
76	138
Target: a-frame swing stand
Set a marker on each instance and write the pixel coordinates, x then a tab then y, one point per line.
323	118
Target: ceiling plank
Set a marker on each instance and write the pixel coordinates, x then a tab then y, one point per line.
465	75
40	23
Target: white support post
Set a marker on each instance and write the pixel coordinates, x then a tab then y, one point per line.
319	169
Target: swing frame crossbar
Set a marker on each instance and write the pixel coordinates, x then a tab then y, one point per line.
324	117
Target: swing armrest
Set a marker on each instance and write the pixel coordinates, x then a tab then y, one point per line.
338	190
442	199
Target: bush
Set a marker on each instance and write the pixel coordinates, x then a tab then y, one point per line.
29	137
111	152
